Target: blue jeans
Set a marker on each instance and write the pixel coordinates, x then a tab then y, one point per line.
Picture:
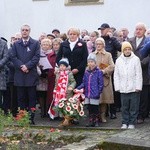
130	107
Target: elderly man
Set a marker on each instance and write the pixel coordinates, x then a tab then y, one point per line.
137	43
125	32
3	61
25	57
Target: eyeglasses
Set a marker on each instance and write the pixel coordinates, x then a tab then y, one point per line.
17	38
25	30
86	40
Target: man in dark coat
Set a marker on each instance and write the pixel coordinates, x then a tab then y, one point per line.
3	61
25	57
112	46
137	43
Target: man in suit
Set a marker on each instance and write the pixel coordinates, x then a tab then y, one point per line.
137	43
25	57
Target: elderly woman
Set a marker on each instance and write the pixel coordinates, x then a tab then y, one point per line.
75	50
106	64
46	49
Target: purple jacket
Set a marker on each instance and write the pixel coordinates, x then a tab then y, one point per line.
92	83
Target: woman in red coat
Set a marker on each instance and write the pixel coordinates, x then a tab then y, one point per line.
51	76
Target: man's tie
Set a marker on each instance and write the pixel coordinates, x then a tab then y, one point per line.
25	43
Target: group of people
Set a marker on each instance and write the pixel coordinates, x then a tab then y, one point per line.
112	68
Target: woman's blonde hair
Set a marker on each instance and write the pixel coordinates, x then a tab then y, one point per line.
76	30
57	40
46	40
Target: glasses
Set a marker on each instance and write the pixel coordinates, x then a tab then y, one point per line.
25	30
86	40
17	38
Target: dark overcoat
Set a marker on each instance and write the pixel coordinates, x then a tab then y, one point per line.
77	57
3	61
28	55
144	61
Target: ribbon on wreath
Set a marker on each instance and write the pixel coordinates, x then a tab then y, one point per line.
59	92
79	97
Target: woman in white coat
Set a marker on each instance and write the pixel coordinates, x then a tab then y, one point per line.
128	81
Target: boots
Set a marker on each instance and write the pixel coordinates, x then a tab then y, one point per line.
32	114
42	105
103	117
97	121
91	122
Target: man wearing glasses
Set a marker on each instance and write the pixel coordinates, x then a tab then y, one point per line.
25	57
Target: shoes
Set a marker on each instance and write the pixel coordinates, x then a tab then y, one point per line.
140	121
124	126
113	116
75	122
118	110
131	126
103	117
32	122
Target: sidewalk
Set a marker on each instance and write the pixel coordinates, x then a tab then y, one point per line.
138	138
111	123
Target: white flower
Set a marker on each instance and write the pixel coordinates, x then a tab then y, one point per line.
63	99
71	112
68	104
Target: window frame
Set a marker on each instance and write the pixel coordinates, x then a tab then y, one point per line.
88	2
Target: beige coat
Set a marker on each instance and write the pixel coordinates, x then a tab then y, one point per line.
106	64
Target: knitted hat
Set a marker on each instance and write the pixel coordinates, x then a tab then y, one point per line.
64	61
126	45
92	57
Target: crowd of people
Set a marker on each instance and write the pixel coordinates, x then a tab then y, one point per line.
112	68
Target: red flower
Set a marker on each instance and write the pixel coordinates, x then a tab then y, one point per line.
33	109
68	108
52	130
81	113
61	105
75	106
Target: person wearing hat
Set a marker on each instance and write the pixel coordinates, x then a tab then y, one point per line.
64	84
51	36
56	32
112	46
128	81
93	86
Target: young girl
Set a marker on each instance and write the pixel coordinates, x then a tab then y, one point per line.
64	84
92	85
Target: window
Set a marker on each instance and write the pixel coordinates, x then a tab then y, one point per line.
83	2
39	0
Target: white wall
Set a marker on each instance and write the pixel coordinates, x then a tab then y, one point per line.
43	16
